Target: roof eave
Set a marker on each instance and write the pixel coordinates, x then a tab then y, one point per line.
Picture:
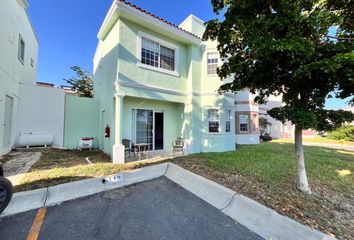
118	8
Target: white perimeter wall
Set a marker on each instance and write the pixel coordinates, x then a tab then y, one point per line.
41	109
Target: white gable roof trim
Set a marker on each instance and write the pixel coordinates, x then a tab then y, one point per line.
121	7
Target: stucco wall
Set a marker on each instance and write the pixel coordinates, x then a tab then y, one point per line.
173	117
81	120
14	21
41	109
129	71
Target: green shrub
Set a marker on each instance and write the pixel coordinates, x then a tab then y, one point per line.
343	133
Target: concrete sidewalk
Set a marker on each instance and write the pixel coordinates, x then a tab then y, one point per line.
333	146
16	168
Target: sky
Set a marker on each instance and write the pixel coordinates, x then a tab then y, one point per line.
67	31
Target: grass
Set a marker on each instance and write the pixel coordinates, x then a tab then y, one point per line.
324	140
61	166
267	173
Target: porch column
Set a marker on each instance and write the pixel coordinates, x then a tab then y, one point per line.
118	148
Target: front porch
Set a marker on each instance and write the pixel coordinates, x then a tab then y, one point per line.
152	156
151	124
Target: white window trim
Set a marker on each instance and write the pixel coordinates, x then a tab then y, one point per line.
226	110
20	38
160	42
207	116
207	53
248	123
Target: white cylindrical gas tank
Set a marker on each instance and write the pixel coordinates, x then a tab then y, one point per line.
34	139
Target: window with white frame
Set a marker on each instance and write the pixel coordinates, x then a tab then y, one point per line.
243	120
212	63
157	55
167	58
228	121
21	49
213	120
254	122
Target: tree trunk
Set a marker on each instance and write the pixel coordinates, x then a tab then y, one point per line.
301	171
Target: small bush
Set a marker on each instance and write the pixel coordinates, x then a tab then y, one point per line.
343	133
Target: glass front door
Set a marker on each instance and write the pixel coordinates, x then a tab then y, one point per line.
147	127
144	127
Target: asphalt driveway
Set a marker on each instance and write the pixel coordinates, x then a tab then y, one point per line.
156	209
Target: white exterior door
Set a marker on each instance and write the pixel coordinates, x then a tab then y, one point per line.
9	102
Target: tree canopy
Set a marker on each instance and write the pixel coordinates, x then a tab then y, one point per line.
301	49
82	83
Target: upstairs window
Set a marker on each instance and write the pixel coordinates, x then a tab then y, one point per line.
212	63
158	55
228	121
213	120
21	49
150	53
167	58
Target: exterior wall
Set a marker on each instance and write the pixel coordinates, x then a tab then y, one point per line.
121	83
13	22
131	72
104	78
244	105
81	120
277	129
41	109
173	117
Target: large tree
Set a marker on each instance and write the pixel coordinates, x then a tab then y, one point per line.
82	83
300	49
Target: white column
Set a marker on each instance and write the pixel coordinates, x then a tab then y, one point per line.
118	148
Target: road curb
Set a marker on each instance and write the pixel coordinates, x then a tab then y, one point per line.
267	223
260	219
44	197
68	191
211	192
25	201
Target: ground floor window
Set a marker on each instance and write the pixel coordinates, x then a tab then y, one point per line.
243	120
213	120
254	122
228	121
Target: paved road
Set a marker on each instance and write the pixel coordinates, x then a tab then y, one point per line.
157	209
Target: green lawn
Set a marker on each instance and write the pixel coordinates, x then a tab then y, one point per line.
267	173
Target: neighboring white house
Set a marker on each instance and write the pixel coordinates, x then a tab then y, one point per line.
18	65
350	109
25	106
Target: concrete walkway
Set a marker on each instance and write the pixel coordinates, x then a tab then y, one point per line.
16	168
333	146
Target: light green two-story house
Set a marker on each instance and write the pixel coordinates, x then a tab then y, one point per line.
156	81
